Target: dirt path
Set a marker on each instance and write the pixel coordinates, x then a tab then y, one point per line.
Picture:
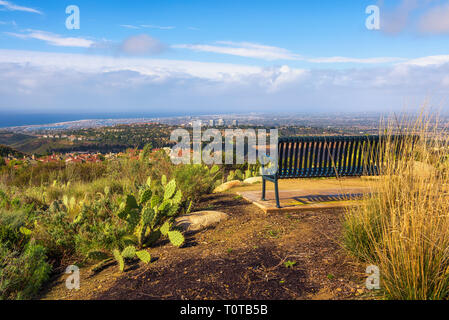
242	258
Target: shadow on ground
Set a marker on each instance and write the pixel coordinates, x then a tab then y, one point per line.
254	274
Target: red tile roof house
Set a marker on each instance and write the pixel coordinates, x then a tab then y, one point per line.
53	158
73	160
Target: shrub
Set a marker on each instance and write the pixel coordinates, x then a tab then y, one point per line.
55	231
10	224
22	273
196	180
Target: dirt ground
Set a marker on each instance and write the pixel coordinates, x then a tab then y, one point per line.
251	255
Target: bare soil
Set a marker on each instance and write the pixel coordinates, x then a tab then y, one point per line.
251	255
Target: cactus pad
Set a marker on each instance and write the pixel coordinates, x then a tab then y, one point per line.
145	196
170	189
118	257
129	252
144	256
165	228
176	238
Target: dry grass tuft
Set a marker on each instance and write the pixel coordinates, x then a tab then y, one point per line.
404	227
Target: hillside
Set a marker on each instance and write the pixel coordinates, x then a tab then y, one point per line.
5	151
12	138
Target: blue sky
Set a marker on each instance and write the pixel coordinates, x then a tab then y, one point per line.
223	56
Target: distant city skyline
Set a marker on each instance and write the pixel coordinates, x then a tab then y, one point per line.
182	57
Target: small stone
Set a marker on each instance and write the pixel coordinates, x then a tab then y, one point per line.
253	180
228	185
200	220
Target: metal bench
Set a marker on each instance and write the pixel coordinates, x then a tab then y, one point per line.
331	156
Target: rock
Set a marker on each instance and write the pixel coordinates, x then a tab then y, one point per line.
198	221
253	180
228	185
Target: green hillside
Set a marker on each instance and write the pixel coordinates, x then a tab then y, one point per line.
11	138
5	151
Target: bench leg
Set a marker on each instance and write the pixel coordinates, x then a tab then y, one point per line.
263	188
276	191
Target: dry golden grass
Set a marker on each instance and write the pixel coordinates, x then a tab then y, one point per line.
404	227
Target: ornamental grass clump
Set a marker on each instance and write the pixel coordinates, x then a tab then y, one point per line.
403	226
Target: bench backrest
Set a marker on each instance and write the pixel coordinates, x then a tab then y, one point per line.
328	156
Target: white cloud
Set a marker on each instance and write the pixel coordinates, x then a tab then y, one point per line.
436	20
53	39
243	49
134	45
13	23
379	60
142	45
149	26
270	53
158	68
429	61
129	26
13	7
93	83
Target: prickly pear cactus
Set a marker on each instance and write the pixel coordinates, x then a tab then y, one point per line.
119	258
130	202
165	228
170	189
151	216
145	196
144	256
129	252
176	238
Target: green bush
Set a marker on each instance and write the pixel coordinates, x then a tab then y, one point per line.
55	231
22	274
87	212
10	224
196	180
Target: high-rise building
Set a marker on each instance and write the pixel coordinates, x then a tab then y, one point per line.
212	122
235	123
220	122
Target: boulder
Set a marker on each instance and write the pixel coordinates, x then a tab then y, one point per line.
200	220
253	180
228	185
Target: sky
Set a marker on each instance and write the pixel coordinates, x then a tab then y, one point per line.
223	56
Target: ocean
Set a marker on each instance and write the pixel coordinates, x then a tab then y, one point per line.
8	119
